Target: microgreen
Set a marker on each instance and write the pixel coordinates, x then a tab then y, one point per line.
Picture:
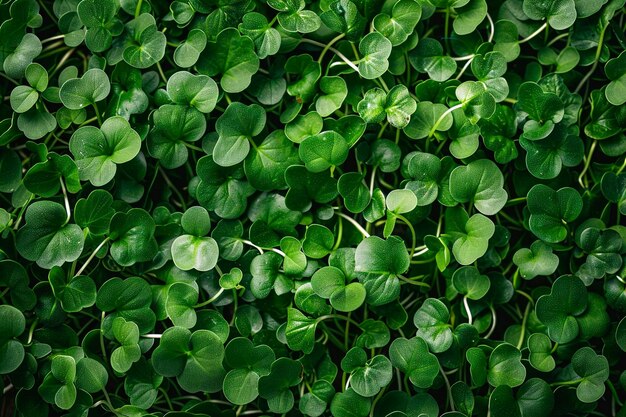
321	208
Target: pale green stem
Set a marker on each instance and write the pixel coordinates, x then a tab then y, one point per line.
440	119
93	254
354	223
66	201
210	300
535	33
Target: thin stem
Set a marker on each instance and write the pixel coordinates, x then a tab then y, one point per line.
420	252
335	51
195	148
535	33
383	83
173	187
440	119
98	117
210	300
3	75
493	322
339	234
93	254
104	352
62	61
329	45
470	319
448	387
595	61
66	201
464	58
336	316
492	29
278	251
161	73
565	383
372	179
410	281
138	8
152	336
247	242
558	38
412	229
522	333
592	149
515	201
465	67
354	223
53	38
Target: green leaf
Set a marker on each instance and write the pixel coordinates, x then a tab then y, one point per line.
546	157
375	50
323	151
343	16
396	23
349	404
470	282
92	87
174	127
127	334
91	375
354	192
479	182
195	359
266	163
471	235
560	14
266	39
193	252
431	320
505	366
74	293
558	310
593	370
334	91
188	52
300	331
614	189
540	348
275	387
232	56
181	299
130	299
23	98
614	70
197	91
538	260
379	262
98	151
318	241
12	325
544	110
145	45
413	358
367	377
132	234
429	58
236	127
47	238
551	210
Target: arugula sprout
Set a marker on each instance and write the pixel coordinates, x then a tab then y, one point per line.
322	208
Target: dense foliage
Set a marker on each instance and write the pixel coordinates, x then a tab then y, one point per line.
346	208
